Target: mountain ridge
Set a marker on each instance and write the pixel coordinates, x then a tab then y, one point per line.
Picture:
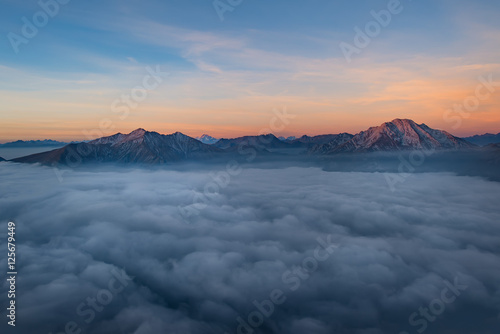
33	143
261	141
484	139
149	147
139	146
399	134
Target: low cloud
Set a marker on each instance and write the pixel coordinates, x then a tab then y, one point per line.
397	250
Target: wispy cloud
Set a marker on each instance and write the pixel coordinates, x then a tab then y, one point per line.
224	73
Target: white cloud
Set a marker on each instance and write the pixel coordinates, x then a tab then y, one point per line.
197	276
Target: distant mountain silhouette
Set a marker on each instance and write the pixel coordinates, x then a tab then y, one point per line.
287	138
307	141
268	141
33	143
483	140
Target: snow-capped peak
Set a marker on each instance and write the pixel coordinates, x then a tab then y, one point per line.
207	139
399	134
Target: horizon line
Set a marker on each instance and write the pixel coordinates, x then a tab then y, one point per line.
69	141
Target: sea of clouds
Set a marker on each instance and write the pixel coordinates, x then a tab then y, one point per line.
286	250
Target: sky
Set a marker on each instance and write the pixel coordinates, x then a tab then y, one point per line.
226	71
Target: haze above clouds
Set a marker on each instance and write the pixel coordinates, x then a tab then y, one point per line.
197	275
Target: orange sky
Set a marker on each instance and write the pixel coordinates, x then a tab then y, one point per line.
228	85
337	99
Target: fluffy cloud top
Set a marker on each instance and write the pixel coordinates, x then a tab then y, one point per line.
397	251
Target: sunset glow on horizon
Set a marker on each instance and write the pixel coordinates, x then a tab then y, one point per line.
225	78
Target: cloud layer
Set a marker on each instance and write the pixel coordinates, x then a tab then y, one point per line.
397	251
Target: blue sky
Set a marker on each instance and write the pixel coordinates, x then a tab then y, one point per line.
227	76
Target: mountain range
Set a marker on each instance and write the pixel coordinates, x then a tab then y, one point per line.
309	142
287	138
483	140
33	143
262	142
141	146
